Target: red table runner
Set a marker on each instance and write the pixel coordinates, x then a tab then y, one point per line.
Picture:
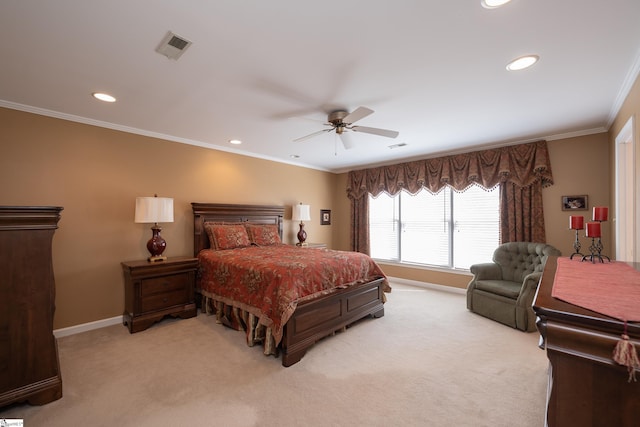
610	288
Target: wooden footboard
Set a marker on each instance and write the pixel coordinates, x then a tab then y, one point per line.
318	318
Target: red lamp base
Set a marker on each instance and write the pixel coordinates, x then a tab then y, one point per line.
302	235
156	245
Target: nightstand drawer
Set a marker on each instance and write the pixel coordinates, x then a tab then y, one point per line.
164	300
163	284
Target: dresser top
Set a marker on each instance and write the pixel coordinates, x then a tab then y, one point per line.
29	217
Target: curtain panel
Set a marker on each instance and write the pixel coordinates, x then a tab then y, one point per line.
521	213
360	225
523	169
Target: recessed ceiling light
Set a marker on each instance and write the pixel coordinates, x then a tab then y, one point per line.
294	156
492	4
522	62
103	97
235	141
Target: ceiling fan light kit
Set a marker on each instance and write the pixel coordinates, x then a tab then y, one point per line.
342	121
336	119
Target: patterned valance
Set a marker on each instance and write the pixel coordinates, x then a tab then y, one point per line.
521	165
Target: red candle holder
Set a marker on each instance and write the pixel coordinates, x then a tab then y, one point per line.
600	213
594	230
576	223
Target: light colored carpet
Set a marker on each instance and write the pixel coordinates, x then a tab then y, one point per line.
427	362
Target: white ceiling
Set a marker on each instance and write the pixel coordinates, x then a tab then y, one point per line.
267	72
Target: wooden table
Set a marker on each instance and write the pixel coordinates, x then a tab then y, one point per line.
586	387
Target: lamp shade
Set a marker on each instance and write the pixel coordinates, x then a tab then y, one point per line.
154	209
301	213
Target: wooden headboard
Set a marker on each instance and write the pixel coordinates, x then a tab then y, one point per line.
214	212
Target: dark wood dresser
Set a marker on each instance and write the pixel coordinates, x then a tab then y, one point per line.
29	367
153	290
586	387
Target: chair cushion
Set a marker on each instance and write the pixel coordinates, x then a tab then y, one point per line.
505	288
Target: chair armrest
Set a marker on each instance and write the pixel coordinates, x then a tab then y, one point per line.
529	288
488	270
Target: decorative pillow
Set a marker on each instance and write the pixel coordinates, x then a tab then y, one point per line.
208	228
263	234
227	236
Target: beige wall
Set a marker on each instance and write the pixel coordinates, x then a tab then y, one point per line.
96	174
580	167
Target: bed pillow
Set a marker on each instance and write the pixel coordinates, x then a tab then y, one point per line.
208	228
263	234
227	236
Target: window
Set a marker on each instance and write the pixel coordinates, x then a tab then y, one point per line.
447	229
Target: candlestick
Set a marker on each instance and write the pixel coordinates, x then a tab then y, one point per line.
593	230
593	250
576	222
576	247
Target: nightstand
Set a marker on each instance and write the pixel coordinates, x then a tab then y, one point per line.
155	290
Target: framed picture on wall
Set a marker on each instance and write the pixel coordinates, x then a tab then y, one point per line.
575	203
325	217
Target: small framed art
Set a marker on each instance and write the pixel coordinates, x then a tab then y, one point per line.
325	217
575	203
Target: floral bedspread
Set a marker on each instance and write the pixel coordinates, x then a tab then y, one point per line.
269	281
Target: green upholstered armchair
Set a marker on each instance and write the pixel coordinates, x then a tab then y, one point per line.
503	290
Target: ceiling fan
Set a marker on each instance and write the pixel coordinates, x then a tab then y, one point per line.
342	121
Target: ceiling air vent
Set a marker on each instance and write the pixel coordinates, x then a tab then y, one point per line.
173	46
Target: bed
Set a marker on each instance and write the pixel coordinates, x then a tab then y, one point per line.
285	319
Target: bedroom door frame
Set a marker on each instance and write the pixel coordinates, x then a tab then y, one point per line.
625	228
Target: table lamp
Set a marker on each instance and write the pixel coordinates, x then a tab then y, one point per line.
154	210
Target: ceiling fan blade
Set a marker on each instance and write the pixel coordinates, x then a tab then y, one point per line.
376	131
357	114
304	138
347	141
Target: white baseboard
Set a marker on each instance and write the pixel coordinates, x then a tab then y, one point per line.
72	330
427	285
